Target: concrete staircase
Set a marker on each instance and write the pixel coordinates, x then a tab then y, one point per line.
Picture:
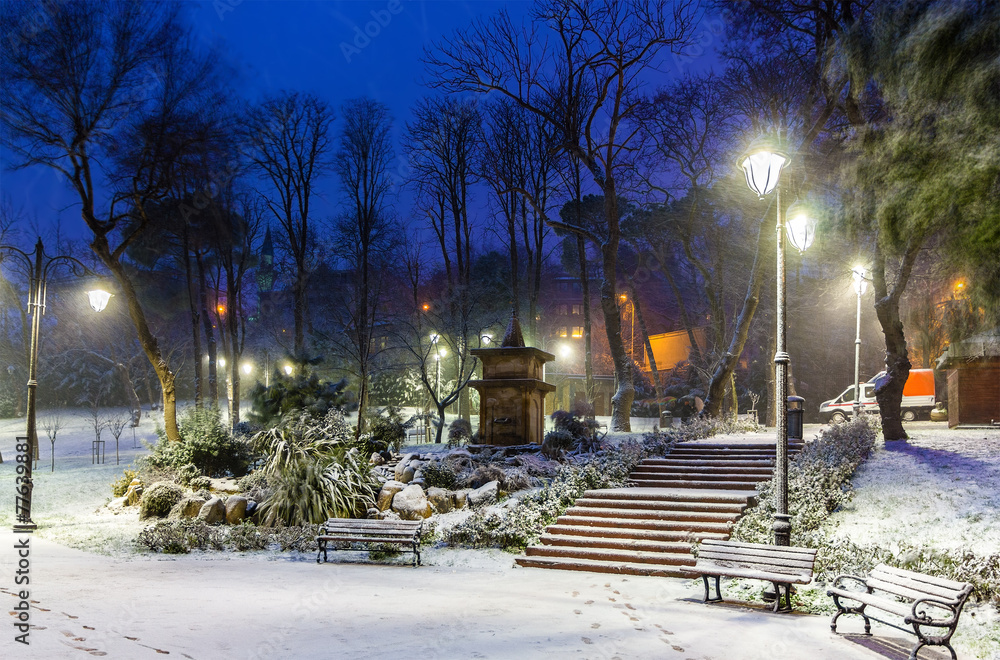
697	491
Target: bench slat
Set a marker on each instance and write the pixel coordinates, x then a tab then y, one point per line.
904	584
368	522
894	606
760	547
366	539
757	559
748	572
905	592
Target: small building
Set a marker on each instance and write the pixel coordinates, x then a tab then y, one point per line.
973	374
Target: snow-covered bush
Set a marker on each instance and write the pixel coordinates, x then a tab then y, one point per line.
818	483
182	536
205	443
158	499
120	486
247	536
459	432
439	475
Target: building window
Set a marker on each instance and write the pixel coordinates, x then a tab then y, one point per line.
561	310
561	332
577	330
577	310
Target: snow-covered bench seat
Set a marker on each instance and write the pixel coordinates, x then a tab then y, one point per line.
382	532
781	565
929	601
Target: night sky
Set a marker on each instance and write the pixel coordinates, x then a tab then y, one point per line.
313	46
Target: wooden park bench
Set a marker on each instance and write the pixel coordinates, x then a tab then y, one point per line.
781	565
929	601
381	532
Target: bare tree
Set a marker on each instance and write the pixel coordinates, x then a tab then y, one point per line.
365	233
115	422
290	146
110	95
584	83
52	423
518	154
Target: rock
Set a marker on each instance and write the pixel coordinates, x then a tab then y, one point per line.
388	515
117	504
441	500
401	465
251	508
372	512
462	498
419	482
407	475
389	490
213	511
236	509
411	503
133	494
376	459
186	508
484	495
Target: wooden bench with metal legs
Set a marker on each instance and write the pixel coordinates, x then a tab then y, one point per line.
783	566
930	602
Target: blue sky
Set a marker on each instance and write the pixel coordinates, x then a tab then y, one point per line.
335	49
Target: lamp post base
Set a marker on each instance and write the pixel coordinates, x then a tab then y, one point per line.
782	529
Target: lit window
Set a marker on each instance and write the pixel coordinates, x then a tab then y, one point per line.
561	332
578	331
577	309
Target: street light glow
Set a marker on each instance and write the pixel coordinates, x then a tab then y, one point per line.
247	368
221	361
288	370
99	299
860	281
762	164
801	229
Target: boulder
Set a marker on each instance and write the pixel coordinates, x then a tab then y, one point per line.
411	503
407	474
389	490
236	509
484	495
401	465
441	499
376	459
134	493
117	504
462	498
186	508
213	511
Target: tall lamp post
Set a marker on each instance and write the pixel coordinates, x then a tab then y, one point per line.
762	165
38	266
860	285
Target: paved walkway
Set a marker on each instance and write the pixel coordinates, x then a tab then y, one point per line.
465	605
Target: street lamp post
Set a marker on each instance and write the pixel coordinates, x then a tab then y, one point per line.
860	284
37	266
762	165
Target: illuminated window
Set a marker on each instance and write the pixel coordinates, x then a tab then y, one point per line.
577	309
561	332
577	330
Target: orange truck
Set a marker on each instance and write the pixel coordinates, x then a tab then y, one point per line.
918	398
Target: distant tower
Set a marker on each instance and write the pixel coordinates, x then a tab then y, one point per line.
265	275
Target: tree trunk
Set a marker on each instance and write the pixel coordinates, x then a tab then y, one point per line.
206	320
649	346
588	357
195	317
727	365
889	392
147	340
621	402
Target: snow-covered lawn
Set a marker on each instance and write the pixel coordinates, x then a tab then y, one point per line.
941	490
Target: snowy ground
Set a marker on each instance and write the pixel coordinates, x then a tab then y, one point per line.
96	596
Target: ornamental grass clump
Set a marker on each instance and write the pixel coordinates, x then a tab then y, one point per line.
313	471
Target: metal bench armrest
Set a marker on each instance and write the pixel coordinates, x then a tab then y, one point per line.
922	617
838	582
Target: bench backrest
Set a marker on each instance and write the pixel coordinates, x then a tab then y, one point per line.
770	558
372	524
914	586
